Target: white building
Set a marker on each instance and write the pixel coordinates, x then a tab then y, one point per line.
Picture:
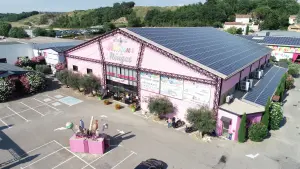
237	25
243	18
293	19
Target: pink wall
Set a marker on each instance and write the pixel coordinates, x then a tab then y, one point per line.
254	66
181	105
91	51
262	60
254	118
156	61
245	72
234	126
121	50
83	65
229	83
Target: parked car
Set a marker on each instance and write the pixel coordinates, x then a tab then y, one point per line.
152	164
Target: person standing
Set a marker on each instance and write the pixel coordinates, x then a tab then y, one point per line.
169	122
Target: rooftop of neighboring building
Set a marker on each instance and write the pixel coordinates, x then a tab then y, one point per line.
234	23
42	40
60	49
269	40
8	69
277	33
293	16
242	16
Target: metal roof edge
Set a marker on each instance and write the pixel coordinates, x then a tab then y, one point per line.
281	45
175	53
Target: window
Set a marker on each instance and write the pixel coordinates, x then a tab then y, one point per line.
89	71
75	68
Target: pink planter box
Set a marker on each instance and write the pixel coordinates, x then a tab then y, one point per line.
96	147
79	145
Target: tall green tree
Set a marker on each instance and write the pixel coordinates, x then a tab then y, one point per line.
247	30
242	129
266	116
40	32
4	28
17	32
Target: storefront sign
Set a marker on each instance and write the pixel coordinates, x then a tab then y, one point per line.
171	87
119	49
124	81
196	92
150	82
285	49
281	55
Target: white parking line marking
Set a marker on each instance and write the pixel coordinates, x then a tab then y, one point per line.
123	159
17	114
39	147
42	158
46	104
75	155
33	109
47	100
63	162
5	123
20	112
180	128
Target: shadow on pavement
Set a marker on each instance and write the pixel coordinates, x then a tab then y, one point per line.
18	154
117	139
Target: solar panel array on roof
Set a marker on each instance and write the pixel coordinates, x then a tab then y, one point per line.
266	87
213	48
56	44
290	41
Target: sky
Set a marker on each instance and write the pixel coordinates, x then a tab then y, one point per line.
17	6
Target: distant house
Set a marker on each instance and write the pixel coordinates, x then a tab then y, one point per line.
237	25
246	19
293	19
295	28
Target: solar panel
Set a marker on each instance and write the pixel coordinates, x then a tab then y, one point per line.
208	46
266	87
274	40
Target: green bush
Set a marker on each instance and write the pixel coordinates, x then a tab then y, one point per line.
266	116
46	69
276	116
74	80
6	89
202	119
289	84
258	132
160	106
62	76
89	83
294	69
28	68
242	130
37	81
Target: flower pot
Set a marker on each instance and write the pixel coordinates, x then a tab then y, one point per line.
94	92
81	89
99	97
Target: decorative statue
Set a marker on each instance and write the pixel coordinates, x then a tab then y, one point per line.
95	126
81	124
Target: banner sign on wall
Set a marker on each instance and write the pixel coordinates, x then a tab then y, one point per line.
281	55
171	87
196	92
150	82
123	81
286	49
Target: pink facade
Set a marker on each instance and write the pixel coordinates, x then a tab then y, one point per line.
254	118
84	65
233	127
245	72
91	51
254	66
121	50
230	83
156	61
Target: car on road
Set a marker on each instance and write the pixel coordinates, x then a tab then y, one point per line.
152	164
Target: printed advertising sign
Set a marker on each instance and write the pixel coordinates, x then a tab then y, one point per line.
195	92
281	55
285	49
150	82
124	81
119	49
171	87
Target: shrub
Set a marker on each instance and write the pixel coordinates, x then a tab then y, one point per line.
266	116
242	130
276	116
106	102
258	132
160	106
46	69
294	69
37	81
62	76
89	83
118	106
73	80
6	89
28	68
24	62
202	119
60	66
25	85
39	60
289	84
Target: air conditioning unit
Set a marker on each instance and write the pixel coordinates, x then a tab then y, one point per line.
262	72
229	98
244	85
250	83
263	66
257	74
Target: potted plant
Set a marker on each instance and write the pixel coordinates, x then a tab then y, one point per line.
99	97
117	106
133	107
106	102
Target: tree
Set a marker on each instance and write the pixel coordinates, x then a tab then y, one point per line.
6	89
271	22
242	129
247	30
258	132
16	32
160	106
133	20
298	17
276	116
108	26
4	28
202	119
266	115
90	83
51	33
40	32
74	80
239	31
37	81
232	30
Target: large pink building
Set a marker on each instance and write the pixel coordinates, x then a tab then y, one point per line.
193	67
